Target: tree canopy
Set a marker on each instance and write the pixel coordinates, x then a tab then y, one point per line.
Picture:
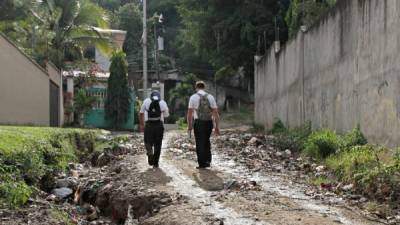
227	32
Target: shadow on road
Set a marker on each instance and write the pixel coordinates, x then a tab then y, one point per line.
209	180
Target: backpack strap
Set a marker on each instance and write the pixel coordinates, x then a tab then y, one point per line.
204	96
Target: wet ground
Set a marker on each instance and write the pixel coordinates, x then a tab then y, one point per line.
236	195
125	190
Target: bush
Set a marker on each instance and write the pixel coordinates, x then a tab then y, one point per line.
356	160
293	138
182	123
353	138
14	193
278	127
321	144
373	170
28	156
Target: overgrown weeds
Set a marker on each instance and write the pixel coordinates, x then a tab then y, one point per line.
28	154
290	138
321	144
373	170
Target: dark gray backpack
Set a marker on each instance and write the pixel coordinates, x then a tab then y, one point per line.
204	112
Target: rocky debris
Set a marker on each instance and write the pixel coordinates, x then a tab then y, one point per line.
320	168
104	159
62	193
254	141
70	182
347	188
243	185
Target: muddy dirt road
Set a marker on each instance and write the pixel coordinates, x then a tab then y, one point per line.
243	187
230	193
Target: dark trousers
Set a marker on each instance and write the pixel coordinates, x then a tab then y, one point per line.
202	133
153	136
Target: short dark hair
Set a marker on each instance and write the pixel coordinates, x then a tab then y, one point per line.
200	85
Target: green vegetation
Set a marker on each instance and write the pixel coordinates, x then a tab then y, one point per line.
61	215
58	30
353	138
82	104
373	170
30	155
182	124
229	32
117	105
321	144
290	138
319	180
306	12
179	96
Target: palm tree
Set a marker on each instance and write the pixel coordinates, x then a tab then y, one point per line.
72	25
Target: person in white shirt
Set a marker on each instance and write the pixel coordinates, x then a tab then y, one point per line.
151	117
204	111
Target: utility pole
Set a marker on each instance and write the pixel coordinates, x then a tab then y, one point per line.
145	49
156	47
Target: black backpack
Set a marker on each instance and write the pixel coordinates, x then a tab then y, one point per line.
154	111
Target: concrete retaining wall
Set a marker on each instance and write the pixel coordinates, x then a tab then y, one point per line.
24	88
343	71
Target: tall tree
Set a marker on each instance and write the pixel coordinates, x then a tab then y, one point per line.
72	24
306	12
227	31
130	19
117	105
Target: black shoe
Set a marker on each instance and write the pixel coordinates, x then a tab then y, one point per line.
150	160
155	166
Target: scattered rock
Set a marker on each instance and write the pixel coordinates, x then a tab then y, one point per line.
288	153
320	168
70	182
51	197
62	193
104	159
254	141
347	188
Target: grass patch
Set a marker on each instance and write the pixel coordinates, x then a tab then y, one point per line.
321	144
29	154
182	124
290	138
374	170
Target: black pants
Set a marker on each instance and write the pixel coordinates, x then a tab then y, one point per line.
202	133
153	136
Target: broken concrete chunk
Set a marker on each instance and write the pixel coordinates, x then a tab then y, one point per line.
62	193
